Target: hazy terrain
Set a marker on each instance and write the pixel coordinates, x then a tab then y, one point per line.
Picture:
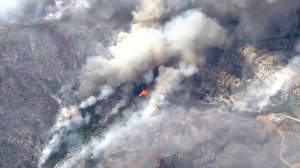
150	83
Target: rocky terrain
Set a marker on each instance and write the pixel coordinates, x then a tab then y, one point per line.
34	65
35	61
40	63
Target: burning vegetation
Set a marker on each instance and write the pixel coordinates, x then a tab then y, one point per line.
156	56
144	93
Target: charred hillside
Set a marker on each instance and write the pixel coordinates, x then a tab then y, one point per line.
147	83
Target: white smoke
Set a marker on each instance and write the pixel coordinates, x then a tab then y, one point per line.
164	32
106	91
137	51
118	136
159	128
68	119
7	7
60	8
257	95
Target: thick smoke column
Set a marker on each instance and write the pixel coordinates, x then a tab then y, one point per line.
136	51
140	121
177	35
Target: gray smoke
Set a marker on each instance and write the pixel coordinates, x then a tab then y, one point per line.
175	37
150	44
257	95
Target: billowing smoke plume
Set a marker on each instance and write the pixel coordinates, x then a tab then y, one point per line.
258	94
136	51
160	46
147	45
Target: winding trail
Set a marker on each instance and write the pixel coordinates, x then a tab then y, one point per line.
270	125
282	147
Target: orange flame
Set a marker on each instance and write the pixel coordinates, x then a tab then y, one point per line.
144	93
